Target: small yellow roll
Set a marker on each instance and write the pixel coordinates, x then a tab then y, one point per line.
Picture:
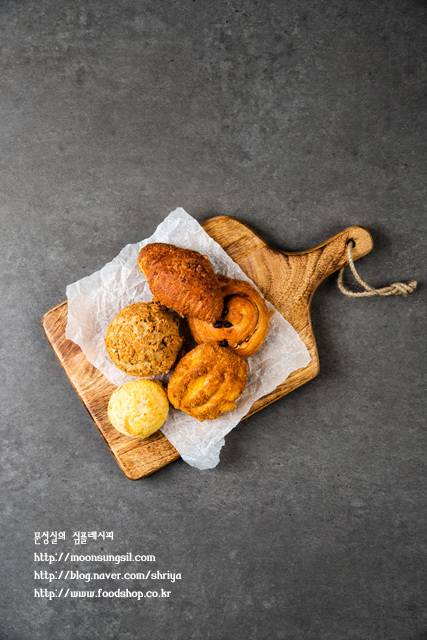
138	408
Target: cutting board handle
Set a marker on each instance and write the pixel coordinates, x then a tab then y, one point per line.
289	279
321	261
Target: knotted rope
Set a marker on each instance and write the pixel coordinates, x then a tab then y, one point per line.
395	289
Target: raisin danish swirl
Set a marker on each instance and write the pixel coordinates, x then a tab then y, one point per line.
244	322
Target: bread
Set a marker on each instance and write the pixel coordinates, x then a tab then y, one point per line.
207	382
182	279
138	408
244	322
144	339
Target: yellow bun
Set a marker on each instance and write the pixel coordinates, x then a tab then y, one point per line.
138	408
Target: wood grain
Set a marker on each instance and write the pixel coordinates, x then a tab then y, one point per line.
287	280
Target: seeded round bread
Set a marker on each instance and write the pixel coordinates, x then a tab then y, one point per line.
144	339
138	408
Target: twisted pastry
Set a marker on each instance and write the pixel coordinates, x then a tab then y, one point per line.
244	322
182	280
207	382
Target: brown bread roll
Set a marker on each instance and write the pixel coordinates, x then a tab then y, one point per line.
182	279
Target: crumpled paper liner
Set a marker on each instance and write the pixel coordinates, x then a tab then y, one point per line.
95	300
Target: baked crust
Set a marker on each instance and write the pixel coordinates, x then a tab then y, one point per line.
182	280
244	323
144	339
207	382
138	408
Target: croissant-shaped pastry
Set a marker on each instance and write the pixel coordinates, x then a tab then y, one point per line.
182	280
207	382
244	322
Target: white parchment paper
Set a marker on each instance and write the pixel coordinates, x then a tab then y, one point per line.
95	300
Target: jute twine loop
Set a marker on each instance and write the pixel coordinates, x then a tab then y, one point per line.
395	289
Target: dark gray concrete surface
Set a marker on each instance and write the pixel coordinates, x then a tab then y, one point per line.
299	118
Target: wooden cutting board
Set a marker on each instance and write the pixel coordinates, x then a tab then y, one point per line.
287	280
